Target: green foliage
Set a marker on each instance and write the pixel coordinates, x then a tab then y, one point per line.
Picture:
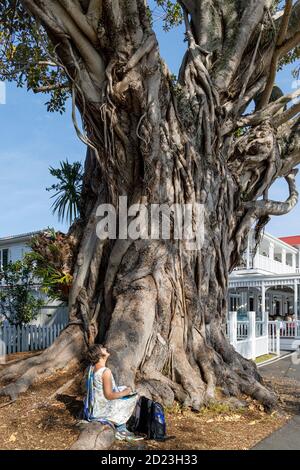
67	190
50	258
27	56
277	5
54	283
240	132
216	407
291	58
171	13
18	302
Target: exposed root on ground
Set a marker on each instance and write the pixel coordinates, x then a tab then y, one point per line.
65	352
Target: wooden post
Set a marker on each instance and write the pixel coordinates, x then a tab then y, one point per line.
278	338
296	299
263	300
233	328
252	333
248	252
265	314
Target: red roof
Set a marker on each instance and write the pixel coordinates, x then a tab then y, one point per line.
294	240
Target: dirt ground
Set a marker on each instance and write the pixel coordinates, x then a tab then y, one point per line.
39	421
218	428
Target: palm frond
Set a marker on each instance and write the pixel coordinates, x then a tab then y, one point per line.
67	191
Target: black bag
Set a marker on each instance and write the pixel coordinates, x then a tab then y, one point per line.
149	419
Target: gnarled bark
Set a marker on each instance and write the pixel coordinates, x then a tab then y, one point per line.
159	307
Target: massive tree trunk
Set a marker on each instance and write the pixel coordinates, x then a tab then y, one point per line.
159	306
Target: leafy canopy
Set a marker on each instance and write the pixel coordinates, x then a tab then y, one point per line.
28	57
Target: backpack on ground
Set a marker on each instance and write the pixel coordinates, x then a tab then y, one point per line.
148	419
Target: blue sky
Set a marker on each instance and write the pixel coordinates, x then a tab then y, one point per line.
31	140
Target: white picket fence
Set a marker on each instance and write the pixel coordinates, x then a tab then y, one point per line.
27	338
249	337
274	337
286	334
252	338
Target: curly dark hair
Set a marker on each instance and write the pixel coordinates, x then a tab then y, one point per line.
94	353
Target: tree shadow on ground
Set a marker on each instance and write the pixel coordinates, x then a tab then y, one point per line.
73	405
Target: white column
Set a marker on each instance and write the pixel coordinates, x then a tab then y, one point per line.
296	299
252	333
233	328
265	316
248	252
263	300
278	338
283	256
271	250
294	262
256	260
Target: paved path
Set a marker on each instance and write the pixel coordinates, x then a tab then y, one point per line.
287	437
282	368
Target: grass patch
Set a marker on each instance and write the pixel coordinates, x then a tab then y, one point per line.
216	407
265	357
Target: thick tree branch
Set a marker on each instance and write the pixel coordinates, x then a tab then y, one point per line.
285	22
286	47
234	48
94	13
189	5
80	20
265	98
62	27
264	208
294	23
47	88
270	111
291	151
287	115
287	39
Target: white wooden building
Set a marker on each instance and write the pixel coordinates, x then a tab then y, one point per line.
267	283
12	249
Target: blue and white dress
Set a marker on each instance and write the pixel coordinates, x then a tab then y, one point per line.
98	408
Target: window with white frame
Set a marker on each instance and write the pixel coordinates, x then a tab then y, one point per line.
4	257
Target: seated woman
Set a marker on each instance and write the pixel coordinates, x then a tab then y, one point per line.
105	401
